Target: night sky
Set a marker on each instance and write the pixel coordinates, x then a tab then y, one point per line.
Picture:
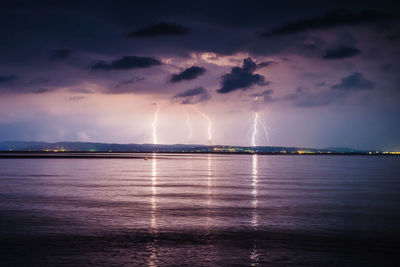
318	75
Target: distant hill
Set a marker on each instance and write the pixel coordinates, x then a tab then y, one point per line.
105	147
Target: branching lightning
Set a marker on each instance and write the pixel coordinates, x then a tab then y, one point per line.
154	125
256	121
209	123
260	120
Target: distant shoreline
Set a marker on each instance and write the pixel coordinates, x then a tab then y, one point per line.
93	147
148	154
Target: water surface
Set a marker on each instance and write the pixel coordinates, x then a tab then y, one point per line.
204	209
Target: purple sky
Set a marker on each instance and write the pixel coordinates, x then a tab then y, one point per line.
317	76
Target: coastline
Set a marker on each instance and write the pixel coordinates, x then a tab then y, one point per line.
148	154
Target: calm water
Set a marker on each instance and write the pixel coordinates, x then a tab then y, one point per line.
201	210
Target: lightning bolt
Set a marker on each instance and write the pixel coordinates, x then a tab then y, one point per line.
255	123
154	124
189	124
257	120
209	123
264	128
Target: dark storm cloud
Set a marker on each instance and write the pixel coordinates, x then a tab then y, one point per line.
39	91
7	78
342	52
266	64
61	54
130	81
195	95
15	85
127	62
310	46
160	29
393	37
390	68
23	90
354	82
191	92
329	20
303	98
95	34
188	74
241	78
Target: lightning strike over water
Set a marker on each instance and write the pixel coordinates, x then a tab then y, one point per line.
154	125
253	138
209	123
264	128
258	120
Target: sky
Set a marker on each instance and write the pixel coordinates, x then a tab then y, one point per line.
317	75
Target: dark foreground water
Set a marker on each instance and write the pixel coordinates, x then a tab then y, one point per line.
202	210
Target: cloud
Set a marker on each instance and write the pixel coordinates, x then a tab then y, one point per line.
195	95
266	96
354	82
329	20
61	54
342	52
310	46
75	98
39	91
306	98
7	78
303	98
23	90
160	29
390	68
266	64
393	37
129	81
188	74
127	62
241	78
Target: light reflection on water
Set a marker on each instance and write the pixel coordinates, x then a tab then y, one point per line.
154	193
254	220
209	196
154	230
254	256
202	209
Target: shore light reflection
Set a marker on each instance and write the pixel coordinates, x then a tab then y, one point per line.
254	192
153	213
254	254
209	195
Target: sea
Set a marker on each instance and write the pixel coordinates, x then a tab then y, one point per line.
200	210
